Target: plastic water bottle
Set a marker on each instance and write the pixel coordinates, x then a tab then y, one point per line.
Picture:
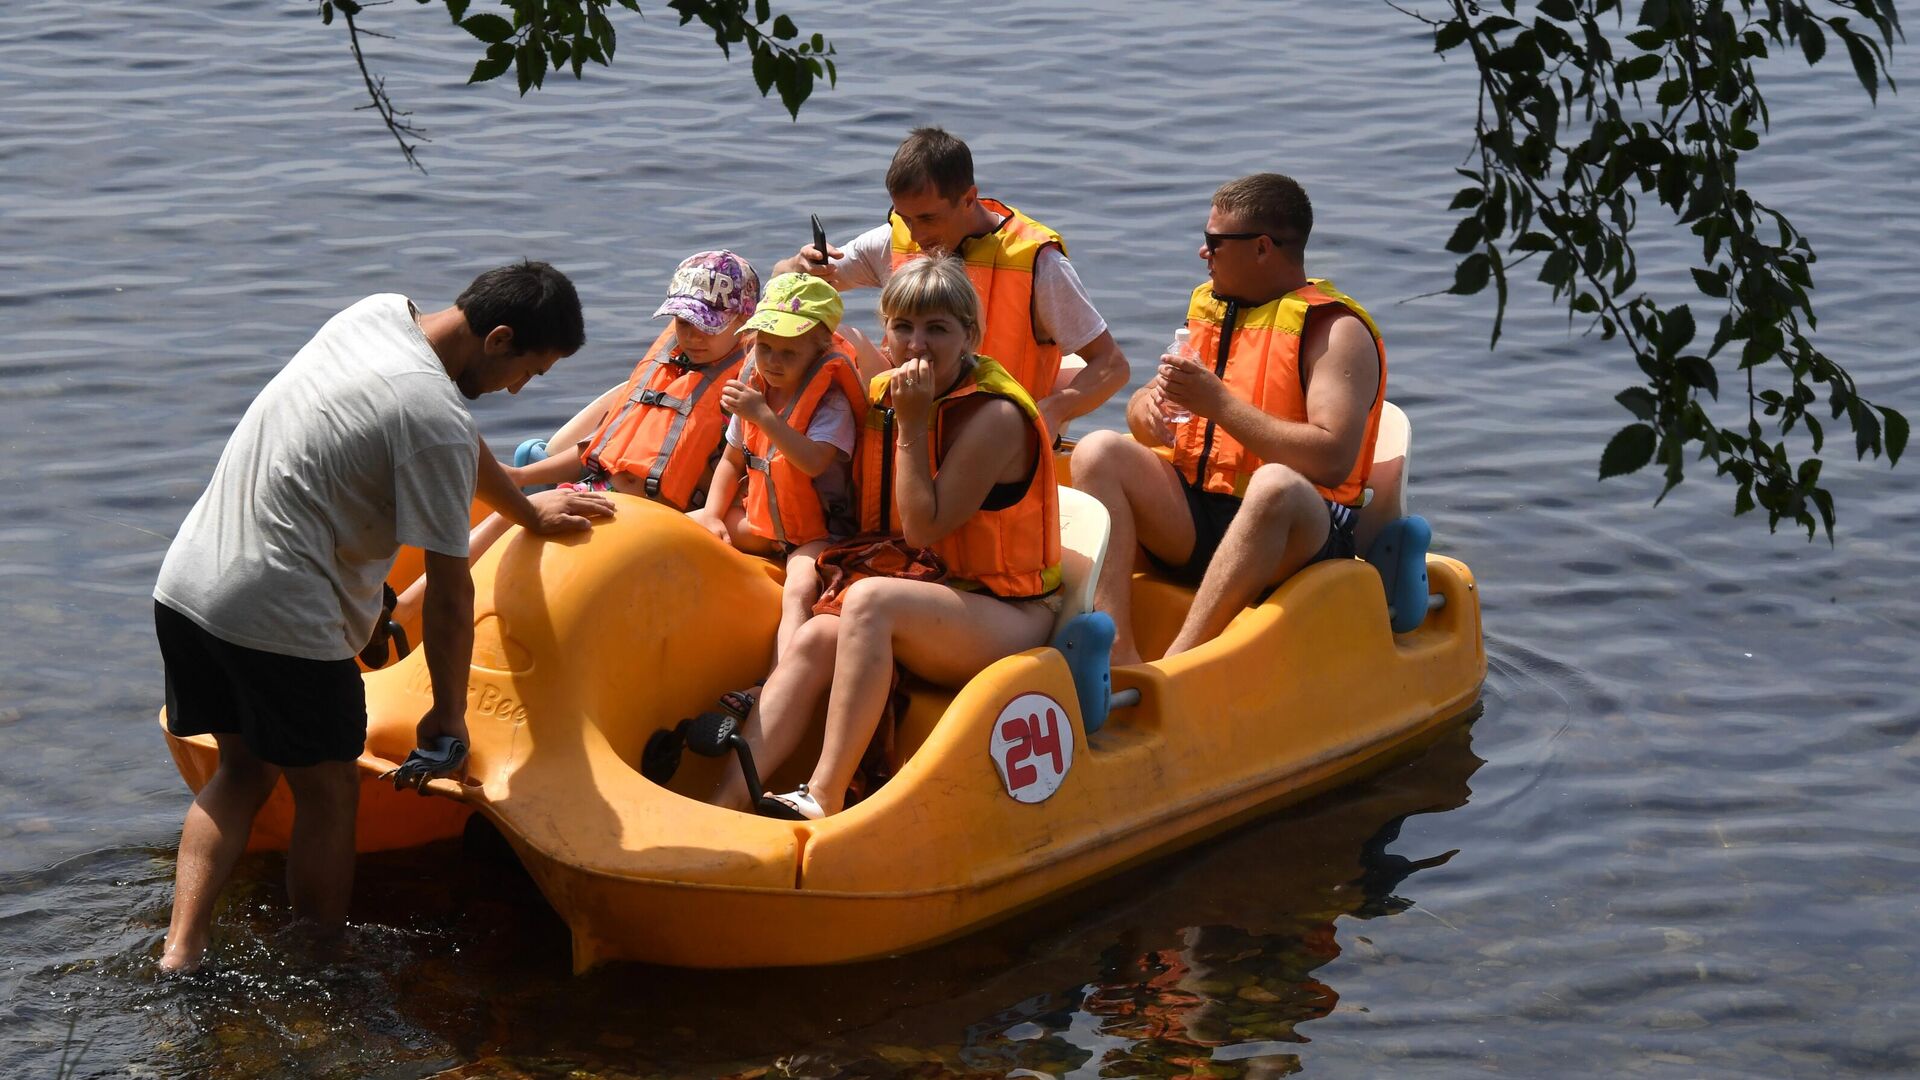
1182	347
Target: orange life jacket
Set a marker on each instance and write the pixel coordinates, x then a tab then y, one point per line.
667	428
1001	264
1256	351
1012	553
784	504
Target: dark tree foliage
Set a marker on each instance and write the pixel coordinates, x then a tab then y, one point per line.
532	37
1582	113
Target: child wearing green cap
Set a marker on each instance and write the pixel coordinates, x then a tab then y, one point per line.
796	411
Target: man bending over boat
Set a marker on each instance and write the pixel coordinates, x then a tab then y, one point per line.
959	561
360	444
1247	463
1034	307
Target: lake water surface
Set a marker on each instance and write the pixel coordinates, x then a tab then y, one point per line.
1678	840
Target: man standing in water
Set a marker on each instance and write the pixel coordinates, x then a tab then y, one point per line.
1268	428
360	444
1035	307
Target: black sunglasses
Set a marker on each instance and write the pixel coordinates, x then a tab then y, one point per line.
1215	239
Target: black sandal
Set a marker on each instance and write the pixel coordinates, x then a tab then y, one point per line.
660	759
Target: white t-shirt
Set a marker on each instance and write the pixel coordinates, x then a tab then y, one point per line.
1061	306
360	444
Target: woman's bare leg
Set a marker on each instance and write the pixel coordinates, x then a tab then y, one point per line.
936	632
787	705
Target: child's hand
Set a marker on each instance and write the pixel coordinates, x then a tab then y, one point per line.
745	402
711	522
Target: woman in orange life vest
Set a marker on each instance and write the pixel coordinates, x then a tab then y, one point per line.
970	478
648	446
796	411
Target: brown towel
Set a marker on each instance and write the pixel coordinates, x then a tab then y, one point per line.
868	556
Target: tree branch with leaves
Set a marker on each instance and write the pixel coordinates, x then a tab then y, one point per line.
1564	146
532	37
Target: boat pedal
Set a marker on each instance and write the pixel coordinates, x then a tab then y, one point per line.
1399	553
1086	643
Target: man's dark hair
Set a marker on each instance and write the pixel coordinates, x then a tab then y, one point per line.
1272	204
532	298
931	158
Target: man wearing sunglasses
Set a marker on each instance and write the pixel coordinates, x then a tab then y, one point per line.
1246	464
1035	307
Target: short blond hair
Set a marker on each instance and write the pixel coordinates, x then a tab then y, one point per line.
934	285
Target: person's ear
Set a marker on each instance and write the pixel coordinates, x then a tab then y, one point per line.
499	341
970	196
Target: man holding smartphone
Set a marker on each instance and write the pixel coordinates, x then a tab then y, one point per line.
1283	390
1035	307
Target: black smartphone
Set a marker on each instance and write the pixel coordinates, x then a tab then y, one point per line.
819	239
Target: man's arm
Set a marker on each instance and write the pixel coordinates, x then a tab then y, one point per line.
1106	372
554	512
1343	376
447	635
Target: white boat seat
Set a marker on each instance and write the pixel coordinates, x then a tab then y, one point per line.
1084	526
1386	493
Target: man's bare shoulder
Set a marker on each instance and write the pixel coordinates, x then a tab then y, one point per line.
1338	334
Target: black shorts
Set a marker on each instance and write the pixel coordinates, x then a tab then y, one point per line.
291	711
1212	512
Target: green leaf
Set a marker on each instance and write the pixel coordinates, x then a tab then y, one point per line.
1644	66
1466	236
1639	401
1627	451
1863	64
1709	282
1672	92
495	64
1813	43
1700	373
1896	433
1534	241
1467	197
763	69
457	9
1654	13
529	62
488	28
1676	330
1450	34
784	29
1471	275
1559	9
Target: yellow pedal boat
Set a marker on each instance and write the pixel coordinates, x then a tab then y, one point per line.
583	648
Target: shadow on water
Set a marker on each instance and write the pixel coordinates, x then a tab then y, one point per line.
456	967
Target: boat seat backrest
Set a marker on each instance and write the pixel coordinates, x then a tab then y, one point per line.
1083	547
1387	482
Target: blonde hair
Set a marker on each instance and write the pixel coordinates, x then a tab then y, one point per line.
935	285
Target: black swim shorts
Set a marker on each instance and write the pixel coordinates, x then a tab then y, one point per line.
1212	512
291	711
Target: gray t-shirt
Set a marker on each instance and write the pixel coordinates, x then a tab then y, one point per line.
1060	303
360	444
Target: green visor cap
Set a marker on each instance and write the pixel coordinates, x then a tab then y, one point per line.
796	303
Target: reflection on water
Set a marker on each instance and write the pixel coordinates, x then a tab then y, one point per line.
1133	978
